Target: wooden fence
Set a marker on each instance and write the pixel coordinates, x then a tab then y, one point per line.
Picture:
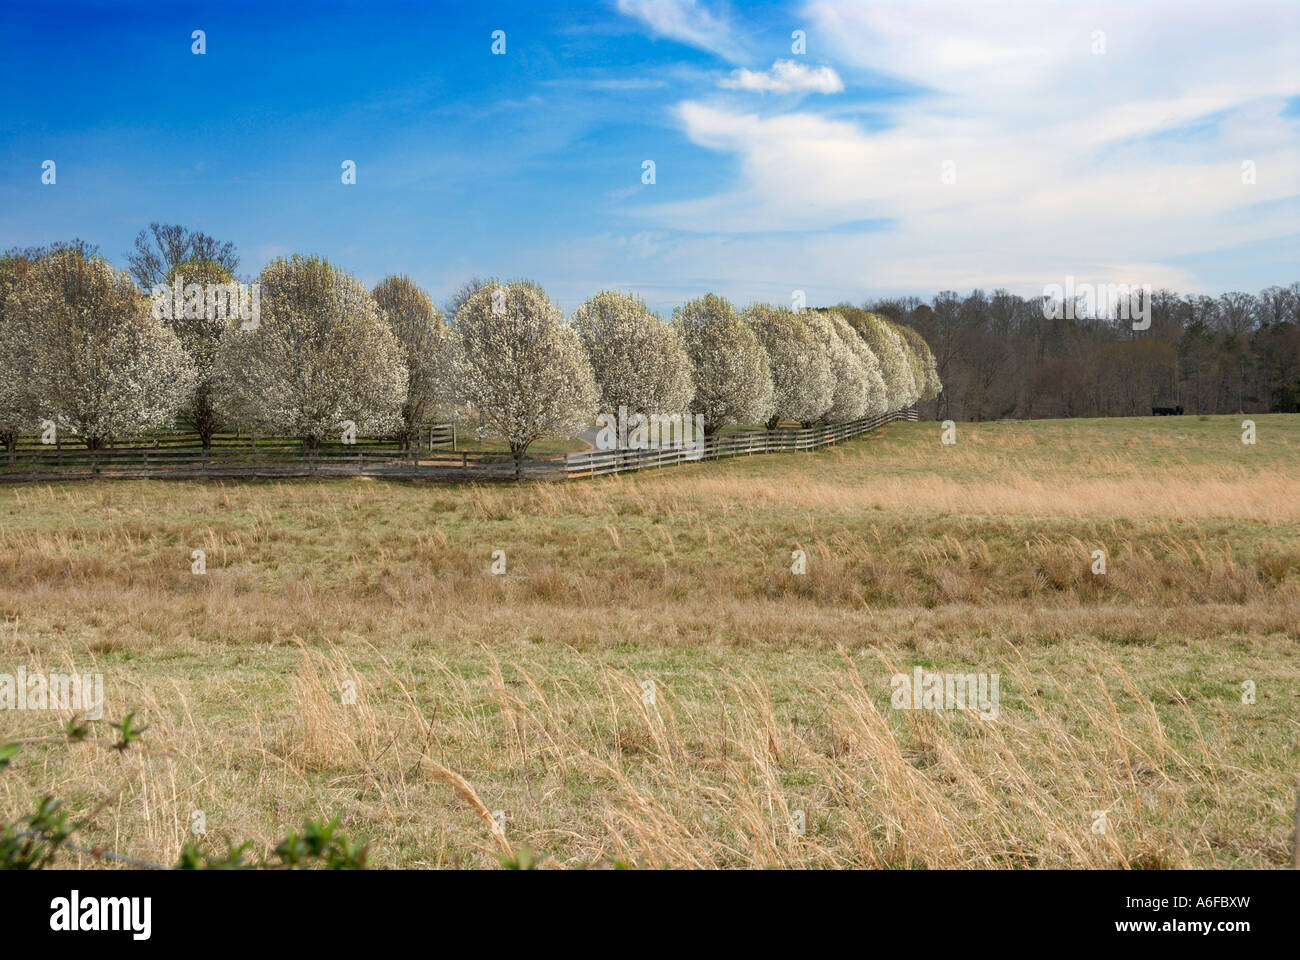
593	463
71	464
49	464
441	434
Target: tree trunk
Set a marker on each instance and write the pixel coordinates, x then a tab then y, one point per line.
205	418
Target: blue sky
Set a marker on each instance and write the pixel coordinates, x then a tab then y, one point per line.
910	148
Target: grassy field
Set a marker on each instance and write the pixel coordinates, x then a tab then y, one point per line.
649	684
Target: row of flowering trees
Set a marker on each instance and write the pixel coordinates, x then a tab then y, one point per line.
82	347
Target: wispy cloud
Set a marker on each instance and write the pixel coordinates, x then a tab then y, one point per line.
1025	155
689	22
786	76
608	84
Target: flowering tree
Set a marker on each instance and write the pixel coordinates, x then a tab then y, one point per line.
803	385
519	368
426	345
200	321
638	360
877	397
321	356
14	363
924	370
101	365
733	382
849	375
879	334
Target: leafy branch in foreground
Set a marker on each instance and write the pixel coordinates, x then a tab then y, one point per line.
319	842
34	841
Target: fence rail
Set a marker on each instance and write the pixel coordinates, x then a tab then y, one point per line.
593	463
442	433
180	437
35	465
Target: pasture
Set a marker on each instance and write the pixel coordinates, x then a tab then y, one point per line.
649	684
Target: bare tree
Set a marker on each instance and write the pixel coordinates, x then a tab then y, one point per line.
1237	313
165	246
457	300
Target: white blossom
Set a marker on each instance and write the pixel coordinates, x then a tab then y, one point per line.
887	345
876	392
733	383
322	355
925	371
849	375
519	368
15	364
426	346
101	366
803	385
638	360
200	331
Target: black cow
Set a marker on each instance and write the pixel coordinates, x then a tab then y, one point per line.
1167	411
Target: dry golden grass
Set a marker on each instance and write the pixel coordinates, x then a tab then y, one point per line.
1246	497
348	653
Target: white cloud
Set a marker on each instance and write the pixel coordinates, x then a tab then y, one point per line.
1109	167
687	21
786	76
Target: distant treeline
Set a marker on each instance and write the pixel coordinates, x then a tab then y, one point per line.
998	356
